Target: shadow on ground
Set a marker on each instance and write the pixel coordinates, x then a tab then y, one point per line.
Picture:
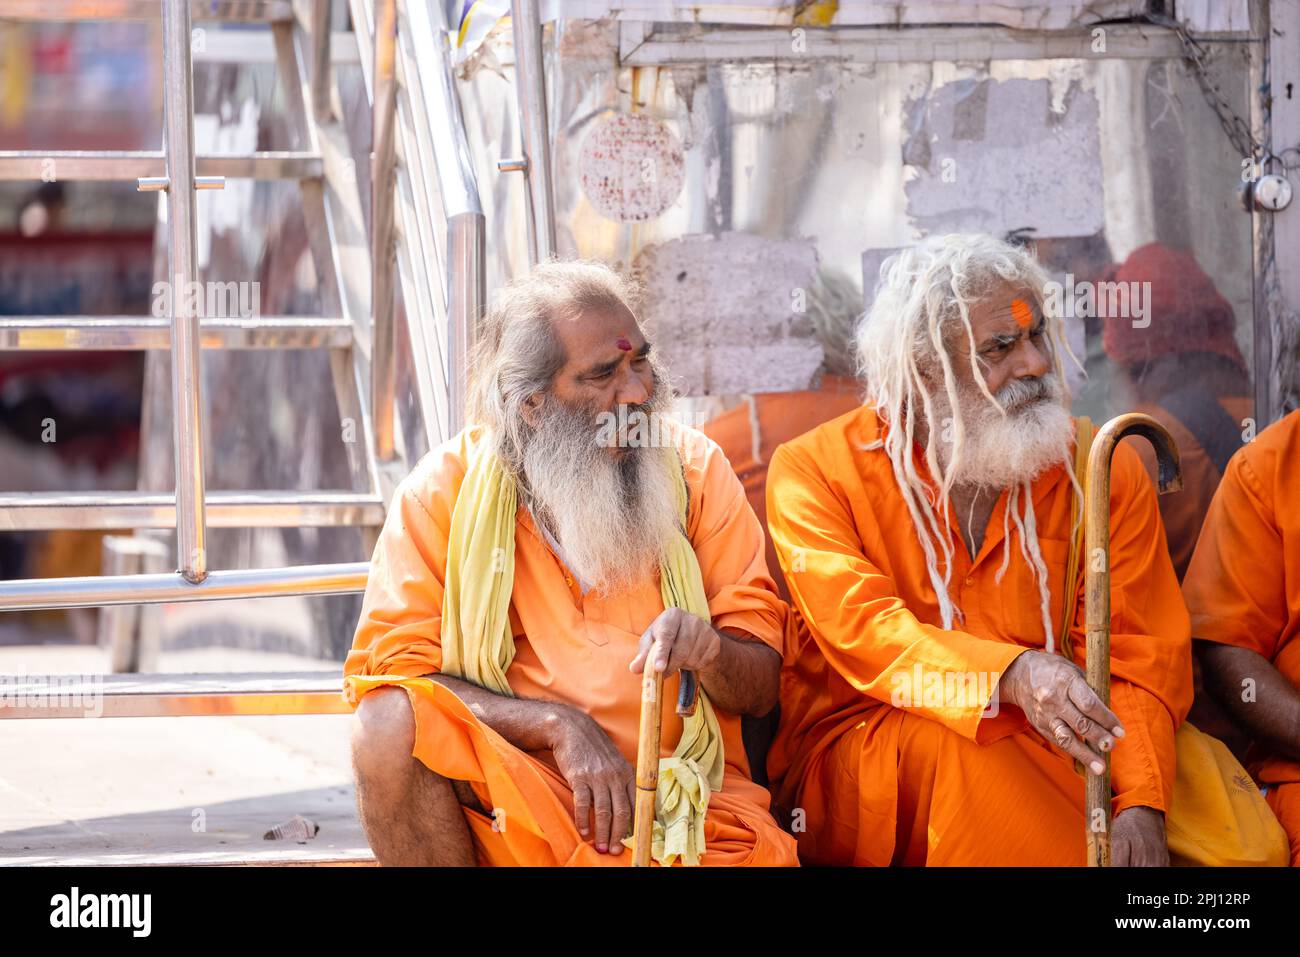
228	832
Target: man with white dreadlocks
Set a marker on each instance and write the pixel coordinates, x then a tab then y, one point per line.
932	708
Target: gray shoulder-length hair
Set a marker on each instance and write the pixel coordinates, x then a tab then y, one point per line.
518	354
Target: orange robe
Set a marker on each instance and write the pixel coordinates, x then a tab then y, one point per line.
749	437
571	648
935	782
1243	585
1183	513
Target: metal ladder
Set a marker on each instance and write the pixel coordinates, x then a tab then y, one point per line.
339	249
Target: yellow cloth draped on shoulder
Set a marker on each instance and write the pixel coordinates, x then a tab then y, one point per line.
477	643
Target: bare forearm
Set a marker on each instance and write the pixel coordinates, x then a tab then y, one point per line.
744	677
528	724
1255	693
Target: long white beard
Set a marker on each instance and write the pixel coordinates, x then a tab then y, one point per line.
612	517
1000	451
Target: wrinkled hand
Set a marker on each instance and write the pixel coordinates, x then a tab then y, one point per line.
1137	839
677	640
602	781
1055	697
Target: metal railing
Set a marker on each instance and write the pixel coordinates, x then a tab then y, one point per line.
135	333
530	90
464	277
245	509
438	215
173	696
187	426
383	370
97	590
230	11
187	510
115	165
439	208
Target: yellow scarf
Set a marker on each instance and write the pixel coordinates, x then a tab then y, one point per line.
477	644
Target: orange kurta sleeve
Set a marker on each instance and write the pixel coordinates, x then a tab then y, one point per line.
730	546
1235	586
1150	642
399	630
853	609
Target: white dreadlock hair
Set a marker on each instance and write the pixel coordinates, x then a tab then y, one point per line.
922	302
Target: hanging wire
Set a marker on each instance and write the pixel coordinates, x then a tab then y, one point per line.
1237	129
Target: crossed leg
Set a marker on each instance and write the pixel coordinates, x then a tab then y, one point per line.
412	816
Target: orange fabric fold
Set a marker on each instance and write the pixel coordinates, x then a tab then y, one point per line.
530	807
901	789
1284	799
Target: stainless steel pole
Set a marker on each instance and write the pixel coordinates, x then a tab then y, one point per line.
530	88
465	268
383	369
100	590
321	23
178	136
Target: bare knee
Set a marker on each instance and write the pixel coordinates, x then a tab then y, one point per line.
410	814
383	734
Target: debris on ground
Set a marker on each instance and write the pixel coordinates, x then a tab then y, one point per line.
297	828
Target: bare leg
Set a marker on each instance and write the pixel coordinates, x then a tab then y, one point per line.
412	816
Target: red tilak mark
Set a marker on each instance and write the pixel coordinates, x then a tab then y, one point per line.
623	344
1022	313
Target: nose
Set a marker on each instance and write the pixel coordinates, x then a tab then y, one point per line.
633	390
1032	361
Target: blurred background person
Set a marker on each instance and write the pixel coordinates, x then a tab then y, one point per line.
750	432
1185	370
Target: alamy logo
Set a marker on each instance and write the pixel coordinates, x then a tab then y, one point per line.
208	300
102	910
632	428
1099	300
83	693
944	690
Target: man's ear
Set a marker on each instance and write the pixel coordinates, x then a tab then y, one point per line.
531	408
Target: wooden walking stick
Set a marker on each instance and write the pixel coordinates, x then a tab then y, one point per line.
647	754
1097	589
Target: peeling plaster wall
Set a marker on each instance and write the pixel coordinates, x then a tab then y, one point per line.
1020	14
1097	157
993	156
729	312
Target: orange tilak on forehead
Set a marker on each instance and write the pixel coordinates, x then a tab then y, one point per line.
1022	313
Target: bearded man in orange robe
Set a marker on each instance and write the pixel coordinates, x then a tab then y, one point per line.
932	709
449	772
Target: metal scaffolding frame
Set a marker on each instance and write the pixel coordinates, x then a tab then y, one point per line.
362	352
435	224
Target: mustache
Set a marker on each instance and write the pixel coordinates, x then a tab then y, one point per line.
1021	392
609	426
